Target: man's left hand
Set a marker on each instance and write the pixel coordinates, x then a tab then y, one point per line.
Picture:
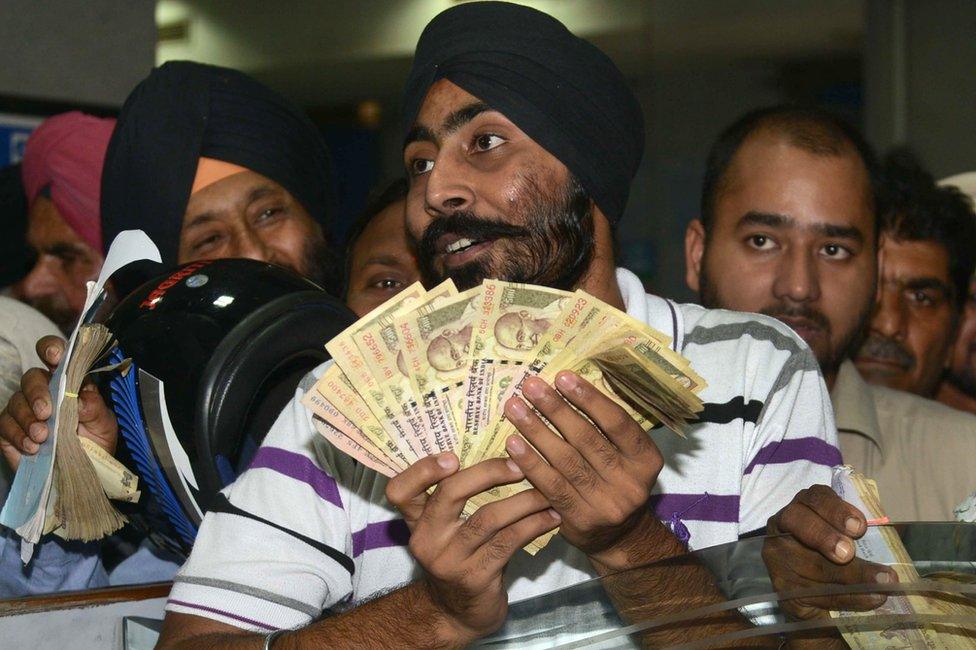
598	475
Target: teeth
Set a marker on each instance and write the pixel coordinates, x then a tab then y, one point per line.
459	245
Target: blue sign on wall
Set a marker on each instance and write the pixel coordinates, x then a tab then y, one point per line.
14	131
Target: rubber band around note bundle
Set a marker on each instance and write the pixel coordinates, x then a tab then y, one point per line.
70	394
880	521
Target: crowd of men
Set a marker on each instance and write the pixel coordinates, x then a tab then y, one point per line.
836	324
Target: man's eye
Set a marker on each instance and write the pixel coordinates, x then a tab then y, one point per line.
922	298
760	242
488	141
836	252
269	213
206	243
420	166
388	283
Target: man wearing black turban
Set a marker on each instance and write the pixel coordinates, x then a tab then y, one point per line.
212	164
521	141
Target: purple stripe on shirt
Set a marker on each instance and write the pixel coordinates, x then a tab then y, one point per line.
214	610
380	534
697	507
814	450
299	468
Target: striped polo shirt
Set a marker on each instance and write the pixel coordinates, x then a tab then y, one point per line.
306	529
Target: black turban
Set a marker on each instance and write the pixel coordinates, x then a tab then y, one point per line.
184	111
562	91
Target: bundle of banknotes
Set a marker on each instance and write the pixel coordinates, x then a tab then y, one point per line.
430	371
909	619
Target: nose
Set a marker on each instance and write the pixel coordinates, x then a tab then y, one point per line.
43	280
798	278
448	185
889	318
249	244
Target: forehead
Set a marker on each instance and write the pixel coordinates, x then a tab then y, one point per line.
768	174
385	233
236	189
443	99
907	260
46	225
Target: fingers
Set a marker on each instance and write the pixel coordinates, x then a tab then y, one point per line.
24	431
34	386
407	491
445	504
95	419
493	517
615	423
497	551
50	349
822	521
563	496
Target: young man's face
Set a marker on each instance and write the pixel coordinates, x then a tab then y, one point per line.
486	201
249	215
382	264
962	358
792	236
55	285
912	326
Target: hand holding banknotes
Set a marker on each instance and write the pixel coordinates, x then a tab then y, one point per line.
597	473
23	422
465	559
820	551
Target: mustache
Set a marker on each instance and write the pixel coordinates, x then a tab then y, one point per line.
879	347
782	312
465	224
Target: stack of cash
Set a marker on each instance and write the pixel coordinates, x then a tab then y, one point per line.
430	371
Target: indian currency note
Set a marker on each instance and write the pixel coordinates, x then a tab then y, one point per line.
337	388
436	343
350	359
512	321
346	436
381	351
881	544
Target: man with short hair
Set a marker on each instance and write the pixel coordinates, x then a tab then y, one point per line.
927	258
62	172
379	261
521	144
958	387
788	228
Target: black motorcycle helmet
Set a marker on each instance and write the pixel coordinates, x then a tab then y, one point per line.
218	348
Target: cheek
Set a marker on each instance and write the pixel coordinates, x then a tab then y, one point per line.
739	283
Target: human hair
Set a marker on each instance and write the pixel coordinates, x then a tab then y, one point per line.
378	200
918	209
811	129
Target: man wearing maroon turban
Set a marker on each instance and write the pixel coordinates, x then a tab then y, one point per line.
62	171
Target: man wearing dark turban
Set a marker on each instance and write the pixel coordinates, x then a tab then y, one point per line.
212	164
521	141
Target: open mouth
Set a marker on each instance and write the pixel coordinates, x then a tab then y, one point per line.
457	250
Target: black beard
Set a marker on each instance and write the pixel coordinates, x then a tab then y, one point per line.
554	248
322	265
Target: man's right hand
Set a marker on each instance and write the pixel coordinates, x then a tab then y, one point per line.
465	560
23	423
819	551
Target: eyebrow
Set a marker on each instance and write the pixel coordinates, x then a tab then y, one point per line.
451	123
776	220
385	260
918	284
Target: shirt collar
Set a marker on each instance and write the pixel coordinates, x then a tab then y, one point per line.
854	408
661	314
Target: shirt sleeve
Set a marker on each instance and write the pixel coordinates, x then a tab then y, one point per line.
794	444
278	552
57	565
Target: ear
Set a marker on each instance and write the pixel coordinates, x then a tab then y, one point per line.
881	254
694	250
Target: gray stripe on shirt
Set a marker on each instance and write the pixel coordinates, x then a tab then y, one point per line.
271	597
800	361
734	331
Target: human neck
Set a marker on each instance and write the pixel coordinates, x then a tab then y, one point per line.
950	395
600	279
829	379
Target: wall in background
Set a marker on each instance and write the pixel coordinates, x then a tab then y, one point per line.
72	52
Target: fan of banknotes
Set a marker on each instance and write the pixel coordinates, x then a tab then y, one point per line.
430	371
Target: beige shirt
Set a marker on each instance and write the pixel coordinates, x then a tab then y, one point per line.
921	453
